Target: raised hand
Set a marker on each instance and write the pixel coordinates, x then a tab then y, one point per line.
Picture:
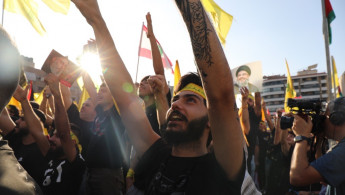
301	126
89	9
53	82
21	94
245	93
157	83
149	25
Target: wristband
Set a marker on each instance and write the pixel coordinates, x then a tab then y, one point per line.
300	138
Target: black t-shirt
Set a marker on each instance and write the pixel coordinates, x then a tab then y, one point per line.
151	114
73	115
62	177
160	173
85	135
106	145
29	156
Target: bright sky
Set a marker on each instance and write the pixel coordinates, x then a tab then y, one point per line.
268	31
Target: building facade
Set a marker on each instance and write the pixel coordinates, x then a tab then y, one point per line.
308	84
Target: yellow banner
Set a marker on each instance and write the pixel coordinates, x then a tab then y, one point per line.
177	75
27	8
290	92
221	20
60	6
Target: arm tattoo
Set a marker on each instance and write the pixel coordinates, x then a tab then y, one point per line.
195	19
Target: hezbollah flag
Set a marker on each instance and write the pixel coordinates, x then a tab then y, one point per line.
330	17
84	96
221	20
336	79
38	97
60	6
27	8
177	75
290	92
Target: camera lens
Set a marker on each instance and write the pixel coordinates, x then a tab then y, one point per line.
286	122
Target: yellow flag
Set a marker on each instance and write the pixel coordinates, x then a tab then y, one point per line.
177	75
60	6
336	78
80	83
221	20
290	92
38	97
84	96
14	102
27	8
263	118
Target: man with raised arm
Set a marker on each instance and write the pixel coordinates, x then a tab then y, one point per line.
187	167
65	166
25	136
145	90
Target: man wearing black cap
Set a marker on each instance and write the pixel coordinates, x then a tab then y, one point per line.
242	74
22	140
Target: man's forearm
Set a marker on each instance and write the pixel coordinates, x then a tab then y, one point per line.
299	161
162	107
61	118
35	127
214	69
31	118
43	105
121	87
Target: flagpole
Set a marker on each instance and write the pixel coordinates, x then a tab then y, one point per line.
326	38
141	37
2	17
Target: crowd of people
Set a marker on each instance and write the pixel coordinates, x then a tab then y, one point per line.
146	139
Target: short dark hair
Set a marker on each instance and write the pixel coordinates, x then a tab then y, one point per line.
9	66
145	78
13	109
34	105
191	77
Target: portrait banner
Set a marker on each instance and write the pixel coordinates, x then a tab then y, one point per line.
247	75
67	71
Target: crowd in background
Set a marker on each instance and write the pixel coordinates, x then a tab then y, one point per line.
146	139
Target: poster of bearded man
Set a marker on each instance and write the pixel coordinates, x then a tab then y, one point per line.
247	75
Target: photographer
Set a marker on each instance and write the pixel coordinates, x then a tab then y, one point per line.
329	168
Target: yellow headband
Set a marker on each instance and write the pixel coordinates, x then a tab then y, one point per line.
194	88
75	138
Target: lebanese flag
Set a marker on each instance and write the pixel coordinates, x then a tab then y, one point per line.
145	50
330	17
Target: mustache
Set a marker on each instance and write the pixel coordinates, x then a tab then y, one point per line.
176	112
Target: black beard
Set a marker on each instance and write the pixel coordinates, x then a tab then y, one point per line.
194	132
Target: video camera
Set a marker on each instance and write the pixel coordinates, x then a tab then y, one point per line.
305	108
